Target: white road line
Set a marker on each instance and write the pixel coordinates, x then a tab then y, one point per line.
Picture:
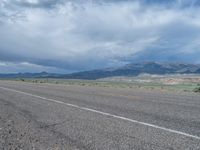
105	114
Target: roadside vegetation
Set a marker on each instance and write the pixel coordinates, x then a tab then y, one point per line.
197	89
153	85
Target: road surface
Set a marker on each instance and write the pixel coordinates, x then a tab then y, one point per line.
51	116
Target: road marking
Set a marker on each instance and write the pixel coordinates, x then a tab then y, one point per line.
104	113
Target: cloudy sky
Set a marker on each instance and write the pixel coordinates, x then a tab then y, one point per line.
71	35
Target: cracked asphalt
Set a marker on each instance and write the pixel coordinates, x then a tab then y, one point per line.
33	122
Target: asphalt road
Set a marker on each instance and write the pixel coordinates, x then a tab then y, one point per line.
49	116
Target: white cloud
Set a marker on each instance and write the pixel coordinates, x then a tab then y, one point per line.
82	36
9	67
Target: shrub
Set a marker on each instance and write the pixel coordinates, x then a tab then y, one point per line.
197	89
22	80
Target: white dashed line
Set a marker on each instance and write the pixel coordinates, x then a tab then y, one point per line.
105	114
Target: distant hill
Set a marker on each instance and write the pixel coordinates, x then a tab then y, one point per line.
138	68
30	75
127	70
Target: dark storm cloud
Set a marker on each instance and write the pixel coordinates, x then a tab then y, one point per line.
68	35
38	4
53	3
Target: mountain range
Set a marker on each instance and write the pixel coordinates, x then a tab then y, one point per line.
133	69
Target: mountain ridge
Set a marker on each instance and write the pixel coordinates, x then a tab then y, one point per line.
133	69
